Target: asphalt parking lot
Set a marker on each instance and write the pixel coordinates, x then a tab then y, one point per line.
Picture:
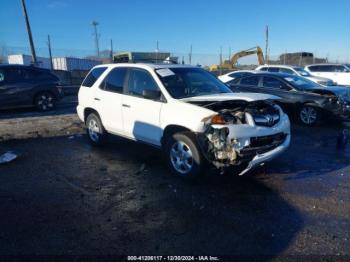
61	196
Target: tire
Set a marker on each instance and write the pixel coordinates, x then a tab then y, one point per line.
183	155
309	115
95	130
45	101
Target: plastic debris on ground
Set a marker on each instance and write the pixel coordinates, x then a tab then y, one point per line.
8	157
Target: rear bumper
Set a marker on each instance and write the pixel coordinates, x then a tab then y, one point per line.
80	112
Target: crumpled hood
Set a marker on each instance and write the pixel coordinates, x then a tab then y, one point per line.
342	92
249	97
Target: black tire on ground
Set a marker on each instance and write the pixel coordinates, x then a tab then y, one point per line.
183	155
45	101
309	115
95	131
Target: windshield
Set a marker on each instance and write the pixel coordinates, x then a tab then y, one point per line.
301	83
190	82
301	71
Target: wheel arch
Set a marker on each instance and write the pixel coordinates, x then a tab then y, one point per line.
88	111
170	130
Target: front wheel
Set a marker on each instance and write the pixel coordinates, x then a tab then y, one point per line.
183	155
309	115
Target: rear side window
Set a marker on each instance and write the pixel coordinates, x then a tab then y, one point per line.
250	81
94	74
234	75
13	75
287	71
273	69
33	74
322	68
263	69
114	81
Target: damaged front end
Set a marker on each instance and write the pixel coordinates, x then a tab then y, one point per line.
339	107
235	136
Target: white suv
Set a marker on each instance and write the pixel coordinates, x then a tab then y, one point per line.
298	71
185	111
337	72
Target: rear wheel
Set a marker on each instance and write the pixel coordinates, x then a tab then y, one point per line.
45	101
183	155
309	115
95	130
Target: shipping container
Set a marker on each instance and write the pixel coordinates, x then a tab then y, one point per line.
22	59
72	63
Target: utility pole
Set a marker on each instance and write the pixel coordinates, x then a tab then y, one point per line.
220	66
111	54
50	53
267	44
29	31
284	57
190	56
95	24
229	53
157	51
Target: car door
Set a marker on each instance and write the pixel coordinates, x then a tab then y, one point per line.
108	100
275	86
14	88
246	84
141	114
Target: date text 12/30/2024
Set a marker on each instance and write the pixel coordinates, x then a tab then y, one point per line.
172	258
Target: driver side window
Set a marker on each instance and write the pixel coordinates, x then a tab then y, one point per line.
140	80
270	82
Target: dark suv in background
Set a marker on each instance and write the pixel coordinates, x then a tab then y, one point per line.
26	86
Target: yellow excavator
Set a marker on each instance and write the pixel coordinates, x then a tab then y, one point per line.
230	64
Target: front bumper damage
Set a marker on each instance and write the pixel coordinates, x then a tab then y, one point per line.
247	144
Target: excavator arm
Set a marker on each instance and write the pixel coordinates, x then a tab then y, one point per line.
255	50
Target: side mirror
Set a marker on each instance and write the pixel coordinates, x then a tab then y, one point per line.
151	94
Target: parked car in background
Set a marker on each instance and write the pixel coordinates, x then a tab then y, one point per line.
187	112
296	70
23	86
300	97
339	73
232	75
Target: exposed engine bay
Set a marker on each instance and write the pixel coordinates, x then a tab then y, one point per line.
224	149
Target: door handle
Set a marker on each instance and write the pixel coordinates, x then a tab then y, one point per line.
125	105
97	99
